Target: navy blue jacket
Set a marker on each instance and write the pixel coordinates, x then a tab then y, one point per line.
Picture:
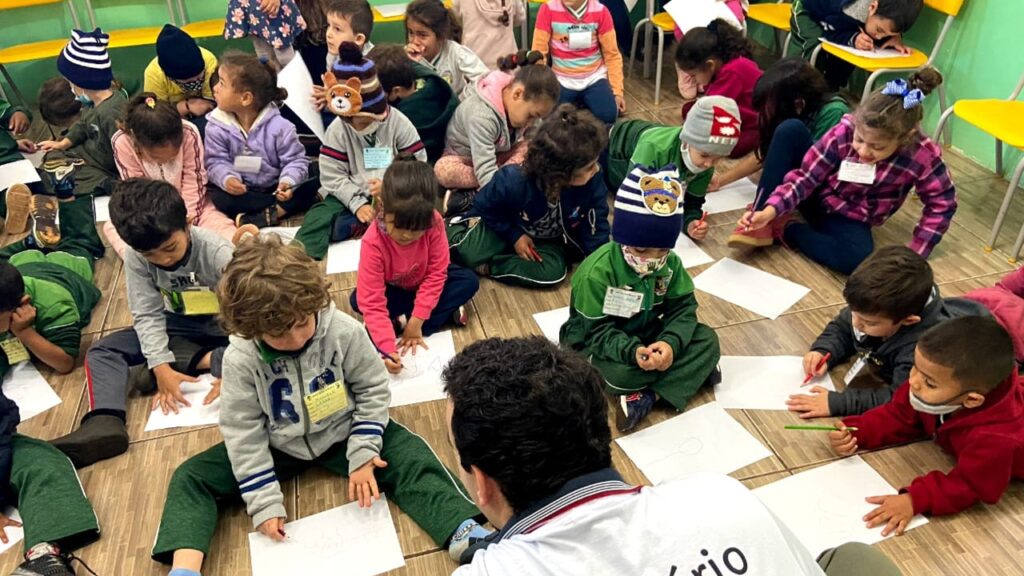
838	27
10	417
510	199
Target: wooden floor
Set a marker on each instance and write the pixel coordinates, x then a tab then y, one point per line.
128	491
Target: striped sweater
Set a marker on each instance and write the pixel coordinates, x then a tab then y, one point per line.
579	65
343	172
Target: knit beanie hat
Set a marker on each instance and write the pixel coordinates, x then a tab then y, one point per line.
84	61
177	54
649	208
712	125
352	85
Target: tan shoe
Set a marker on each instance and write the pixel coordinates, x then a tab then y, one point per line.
19	198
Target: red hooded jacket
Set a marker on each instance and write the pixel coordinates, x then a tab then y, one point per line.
988	443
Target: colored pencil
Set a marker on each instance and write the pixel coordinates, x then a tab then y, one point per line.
822	362
817	428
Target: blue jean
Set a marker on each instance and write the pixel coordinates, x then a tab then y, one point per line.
460	286
598	98
791	141
831	240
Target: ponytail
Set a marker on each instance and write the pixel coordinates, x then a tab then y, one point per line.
537	79
719	40
897	109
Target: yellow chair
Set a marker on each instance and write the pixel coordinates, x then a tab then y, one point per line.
1003	120
664	25
32	50
775	15
911	63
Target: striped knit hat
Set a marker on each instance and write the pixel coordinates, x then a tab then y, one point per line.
84	61
354	74
649	208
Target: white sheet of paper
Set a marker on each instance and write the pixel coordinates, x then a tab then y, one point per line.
704	439
391	10
347	539
420	378
194	415
550	322
735	196
17	172
287	233
763	382
101	207
756	290
874	54
824	506
296	80
14	535
27	388
689	253
36	158
690	14
343	256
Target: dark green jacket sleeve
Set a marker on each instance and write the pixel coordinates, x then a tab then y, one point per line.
67	338
591	330
679	316
7	110
693	200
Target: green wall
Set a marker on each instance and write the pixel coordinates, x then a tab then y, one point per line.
983	56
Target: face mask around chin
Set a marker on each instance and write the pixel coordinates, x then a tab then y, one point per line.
934	409
690	165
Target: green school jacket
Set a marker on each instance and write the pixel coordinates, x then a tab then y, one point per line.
8	145
430	109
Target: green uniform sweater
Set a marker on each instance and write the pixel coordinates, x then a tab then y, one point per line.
8	145
430	109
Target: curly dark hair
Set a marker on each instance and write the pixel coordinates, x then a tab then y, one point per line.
719	40
528	414
567	140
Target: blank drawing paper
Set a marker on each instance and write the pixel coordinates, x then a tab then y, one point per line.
345	540
756	290
690	14
194	415
704	439
343	256
763	382
420	378
101	208
873	54
296	80
690	253
27	388
824	507
14	535
735	196
550	322
17	172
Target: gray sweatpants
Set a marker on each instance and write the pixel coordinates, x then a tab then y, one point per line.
108	360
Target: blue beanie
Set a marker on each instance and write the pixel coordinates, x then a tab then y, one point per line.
84	61
649	208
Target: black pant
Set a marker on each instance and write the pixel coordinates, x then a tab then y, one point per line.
257	200
790	143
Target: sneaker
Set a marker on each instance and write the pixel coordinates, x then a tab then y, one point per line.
633	408
61	175
244	232
461	316
715	378
19	198
741	237
98	438
457	202
44	560
263	219
467	539
483	269
45	212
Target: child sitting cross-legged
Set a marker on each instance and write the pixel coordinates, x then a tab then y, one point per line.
633	311
964	393
292	349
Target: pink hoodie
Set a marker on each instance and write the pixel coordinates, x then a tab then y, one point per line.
420	267
186	173
1006	302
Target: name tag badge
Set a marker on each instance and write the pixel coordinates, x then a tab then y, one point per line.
328	400
854	370
580	39
622	303
377	158
248	164
199	302
850	171
15	350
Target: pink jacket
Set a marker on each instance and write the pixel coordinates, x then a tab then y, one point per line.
420	267
1006	302
482	30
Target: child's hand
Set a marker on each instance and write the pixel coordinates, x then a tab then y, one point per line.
26	146
213	394
864	42
375	184
6	522
697	230
319	97
234	186
365	213
23	318
393	363
414	51
759	219
270	7
284	192
526	250
19	123
51	145
662	355
813	405
716	183
894	510
896	43
645	359
362	483
168	388
273	529
412	337
843	442
811	361
620	104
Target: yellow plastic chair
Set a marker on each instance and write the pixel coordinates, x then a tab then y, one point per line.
32	50
775	15
911	63
664	25
1004	121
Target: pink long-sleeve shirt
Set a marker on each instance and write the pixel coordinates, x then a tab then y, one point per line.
420	267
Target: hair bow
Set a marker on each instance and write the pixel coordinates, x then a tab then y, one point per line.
151	102
900	88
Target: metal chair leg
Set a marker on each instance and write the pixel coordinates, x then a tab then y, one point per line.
785	47
1011	190
14	87
524	27
937	135
999	157
814	55
943	106
657	73
636	38
870	83
648	46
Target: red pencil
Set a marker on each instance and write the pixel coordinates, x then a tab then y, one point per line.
702	217
535	254
822	362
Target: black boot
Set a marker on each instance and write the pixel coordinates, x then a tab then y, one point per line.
99	437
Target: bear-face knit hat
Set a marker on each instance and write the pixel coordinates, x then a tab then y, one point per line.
177	54
352	85
84	61
712	125
649	208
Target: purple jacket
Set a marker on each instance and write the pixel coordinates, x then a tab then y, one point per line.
272	138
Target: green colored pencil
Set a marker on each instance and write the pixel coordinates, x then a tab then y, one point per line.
818	428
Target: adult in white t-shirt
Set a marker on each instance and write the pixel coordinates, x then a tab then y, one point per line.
529	422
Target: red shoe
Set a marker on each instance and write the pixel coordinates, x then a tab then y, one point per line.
741	237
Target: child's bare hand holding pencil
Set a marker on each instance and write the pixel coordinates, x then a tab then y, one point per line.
843	442
759	219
